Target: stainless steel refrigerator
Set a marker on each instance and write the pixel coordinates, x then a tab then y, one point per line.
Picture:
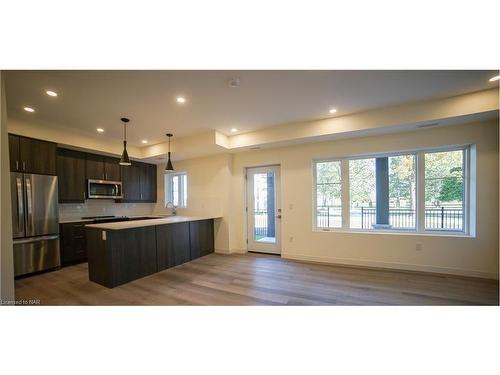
35	222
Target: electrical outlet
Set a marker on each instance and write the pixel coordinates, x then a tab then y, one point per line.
291	238
418	246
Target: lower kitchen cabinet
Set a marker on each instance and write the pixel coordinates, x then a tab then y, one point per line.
201	235
172	245
123	256
73	243
117	256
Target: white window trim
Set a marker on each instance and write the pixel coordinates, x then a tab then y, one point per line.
168	189
468	227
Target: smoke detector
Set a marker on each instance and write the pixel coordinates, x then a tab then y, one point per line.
234	82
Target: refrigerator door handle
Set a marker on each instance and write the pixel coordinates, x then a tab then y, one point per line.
35	239
29	220
20	202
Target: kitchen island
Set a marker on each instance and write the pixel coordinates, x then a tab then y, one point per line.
121	252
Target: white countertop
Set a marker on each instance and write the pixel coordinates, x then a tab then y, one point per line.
80	220
146	223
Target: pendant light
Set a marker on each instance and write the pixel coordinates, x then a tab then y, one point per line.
124	159
169	167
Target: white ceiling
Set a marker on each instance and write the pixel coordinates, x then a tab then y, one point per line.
91	99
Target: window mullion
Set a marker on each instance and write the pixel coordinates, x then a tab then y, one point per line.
420	217
344	173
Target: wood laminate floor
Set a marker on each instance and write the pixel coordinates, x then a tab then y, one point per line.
256	279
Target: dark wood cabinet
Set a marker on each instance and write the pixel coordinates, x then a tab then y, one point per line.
95	167
71	176
172	245
101	167
112	169
125	255
32	155
139	182
148	182
73	243
131	182
15	163
119	256
201	234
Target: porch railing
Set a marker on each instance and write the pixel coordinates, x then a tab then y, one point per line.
446	218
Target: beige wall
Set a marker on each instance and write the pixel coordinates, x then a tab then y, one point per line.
6	255
209	193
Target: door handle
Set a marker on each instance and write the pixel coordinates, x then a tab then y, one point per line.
278	216
28	203
20	203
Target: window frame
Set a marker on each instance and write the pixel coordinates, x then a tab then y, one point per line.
169	189
419	229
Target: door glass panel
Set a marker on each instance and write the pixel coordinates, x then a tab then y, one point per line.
264	207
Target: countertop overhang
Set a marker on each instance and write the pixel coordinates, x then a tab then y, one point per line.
150	222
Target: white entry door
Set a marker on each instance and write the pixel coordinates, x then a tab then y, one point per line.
264	209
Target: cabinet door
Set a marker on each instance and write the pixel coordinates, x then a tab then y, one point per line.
71	176
201	234
172	245
73	243
131	182
132	253
148	182
95	167
37	156
15	165
112	169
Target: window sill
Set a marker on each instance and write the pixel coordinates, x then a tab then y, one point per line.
401	232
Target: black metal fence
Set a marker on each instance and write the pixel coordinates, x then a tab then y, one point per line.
447	218
260	225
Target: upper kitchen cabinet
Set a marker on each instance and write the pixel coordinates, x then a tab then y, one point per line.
148	182
139	182
112	169
103	168
32	155
71	176
15	165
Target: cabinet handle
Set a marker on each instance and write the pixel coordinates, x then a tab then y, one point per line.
24	166
17	165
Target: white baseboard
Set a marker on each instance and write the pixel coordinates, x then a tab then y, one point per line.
233	251
222	251
392	265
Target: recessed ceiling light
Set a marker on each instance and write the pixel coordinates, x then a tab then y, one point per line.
333	110
51	93
144	141
496	78
100	130
234	130
181	99
29	109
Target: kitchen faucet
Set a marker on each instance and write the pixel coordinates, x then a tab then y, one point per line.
174	210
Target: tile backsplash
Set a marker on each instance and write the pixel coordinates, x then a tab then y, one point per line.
101	207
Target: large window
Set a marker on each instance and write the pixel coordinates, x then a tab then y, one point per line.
382	192
444	190
176	189
328	195
402	192
362	193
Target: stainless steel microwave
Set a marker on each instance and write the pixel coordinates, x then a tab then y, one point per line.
102	189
